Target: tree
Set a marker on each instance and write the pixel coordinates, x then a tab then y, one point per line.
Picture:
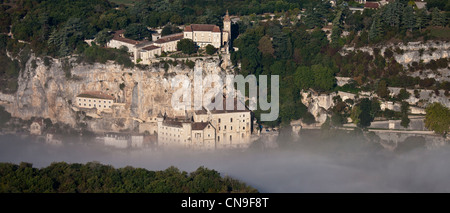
187	46
4	116
324	79
403	94
365	118
67	37
137	31
210	49
376	29
437	18
103	37
404	110
405	121
421	19
437	118
170	29
265	46
382	90
408	18
354	115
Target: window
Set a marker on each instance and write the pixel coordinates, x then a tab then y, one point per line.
231	127
84	99
84	104
218	138
219	120
89	100
104	106
94	101
94	105
242	135
231	120
231	138
104	101
225	127
243	127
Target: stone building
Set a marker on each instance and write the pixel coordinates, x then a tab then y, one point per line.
208	129
204	34
118	41
201	34
117	140
233	127
37	126
149	52
169	43
95	100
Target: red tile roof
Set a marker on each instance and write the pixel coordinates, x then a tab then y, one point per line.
202	27
373	5
151	47
169	38
118	37
95	94
199	125
235	107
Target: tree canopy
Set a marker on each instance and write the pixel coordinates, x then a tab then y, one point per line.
94	177
437	118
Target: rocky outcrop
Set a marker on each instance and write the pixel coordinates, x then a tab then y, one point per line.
45	91
410	52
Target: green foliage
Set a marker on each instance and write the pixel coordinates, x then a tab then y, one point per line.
403	94
210	49
137	31
170	29
97	54
437	118
187	46
318	77
103	37
4	116
93	177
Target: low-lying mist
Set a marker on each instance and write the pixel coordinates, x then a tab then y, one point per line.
312	163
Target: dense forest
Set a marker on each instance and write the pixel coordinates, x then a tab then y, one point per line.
307	56
301	43
94	177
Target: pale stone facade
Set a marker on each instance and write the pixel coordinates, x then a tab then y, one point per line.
116	140
37	126
208	129
95	99
204	34
169	43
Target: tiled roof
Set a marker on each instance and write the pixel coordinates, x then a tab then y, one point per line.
172	123
372	5
151	47
199	125
225	110
95	94
202	27
169	38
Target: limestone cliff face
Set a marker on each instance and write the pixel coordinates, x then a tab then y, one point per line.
412	51
45	91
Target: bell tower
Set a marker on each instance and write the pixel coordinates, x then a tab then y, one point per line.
226	34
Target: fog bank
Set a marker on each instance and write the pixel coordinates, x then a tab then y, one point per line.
277	170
